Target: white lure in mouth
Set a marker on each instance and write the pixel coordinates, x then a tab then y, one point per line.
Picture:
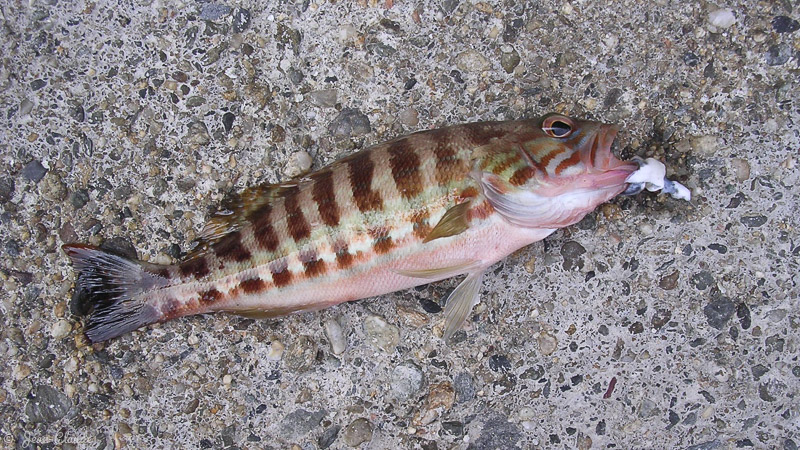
651	175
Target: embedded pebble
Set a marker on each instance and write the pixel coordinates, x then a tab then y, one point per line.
324	97
358	432
721	18
406	380
46	405
349	123
719	311
300	422
60	329
472	61
34	171
301	354
299	163
381	334
335	336
547	343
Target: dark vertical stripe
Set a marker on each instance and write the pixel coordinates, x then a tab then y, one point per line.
195	267
210	296
252	286
382	244
230	247
343	257
164	273
448	167
295	220
281	279
324	194
405	164
550	155
361	170
263	231
314	267
573	159
421	226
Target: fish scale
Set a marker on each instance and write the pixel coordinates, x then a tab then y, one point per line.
419	208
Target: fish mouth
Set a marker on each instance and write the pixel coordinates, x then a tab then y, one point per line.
613	170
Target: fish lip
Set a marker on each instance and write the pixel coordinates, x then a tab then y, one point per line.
605	160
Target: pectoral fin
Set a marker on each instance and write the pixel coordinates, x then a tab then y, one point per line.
454	221
440	273
460	303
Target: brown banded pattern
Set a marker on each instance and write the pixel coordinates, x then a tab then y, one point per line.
573	159
325	197
522	175
195	267
252	285
263	231
281	275
405	164
361	169
449	167
295	220
230	247
209	296
343	257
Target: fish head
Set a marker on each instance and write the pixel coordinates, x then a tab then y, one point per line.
569	170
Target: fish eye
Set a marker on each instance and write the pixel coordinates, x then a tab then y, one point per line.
557	128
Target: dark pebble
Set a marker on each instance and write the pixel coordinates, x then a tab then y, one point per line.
7	187
227	121
600	428
300	422
764	394
78	199
295	76
116	372
214	11
784	24
390	25
241	19
572	251
121	246
758	371
464	387
497	432
636	328
778	54
34	171
206	443
180	77
430	306
227	435
719	311
789	444
453	427
690	59
709	71
702	280
754	221
612	97
328	436
46	405
254	438
12	248
674	418
741	443
456	76
410	84
349	123
77	112
670	281
499	363
38	84
708	445
719	248
743	314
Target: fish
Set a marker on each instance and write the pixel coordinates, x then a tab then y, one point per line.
417	209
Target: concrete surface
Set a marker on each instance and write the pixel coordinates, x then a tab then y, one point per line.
651	324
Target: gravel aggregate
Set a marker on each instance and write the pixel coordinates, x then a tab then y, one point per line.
653	323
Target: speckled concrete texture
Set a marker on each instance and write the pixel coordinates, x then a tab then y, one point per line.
653	323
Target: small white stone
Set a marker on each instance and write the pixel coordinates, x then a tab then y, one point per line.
299	163
227	379
60	329
336	336
547	344
721	18
275	351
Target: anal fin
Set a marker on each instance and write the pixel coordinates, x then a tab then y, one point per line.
440	273
460	303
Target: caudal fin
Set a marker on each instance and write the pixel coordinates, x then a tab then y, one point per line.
108	286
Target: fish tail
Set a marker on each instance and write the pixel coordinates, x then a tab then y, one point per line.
111	289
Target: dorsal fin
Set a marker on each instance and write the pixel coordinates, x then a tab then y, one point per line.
233	212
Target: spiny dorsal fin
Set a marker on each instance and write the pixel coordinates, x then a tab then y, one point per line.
233	212
454	221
